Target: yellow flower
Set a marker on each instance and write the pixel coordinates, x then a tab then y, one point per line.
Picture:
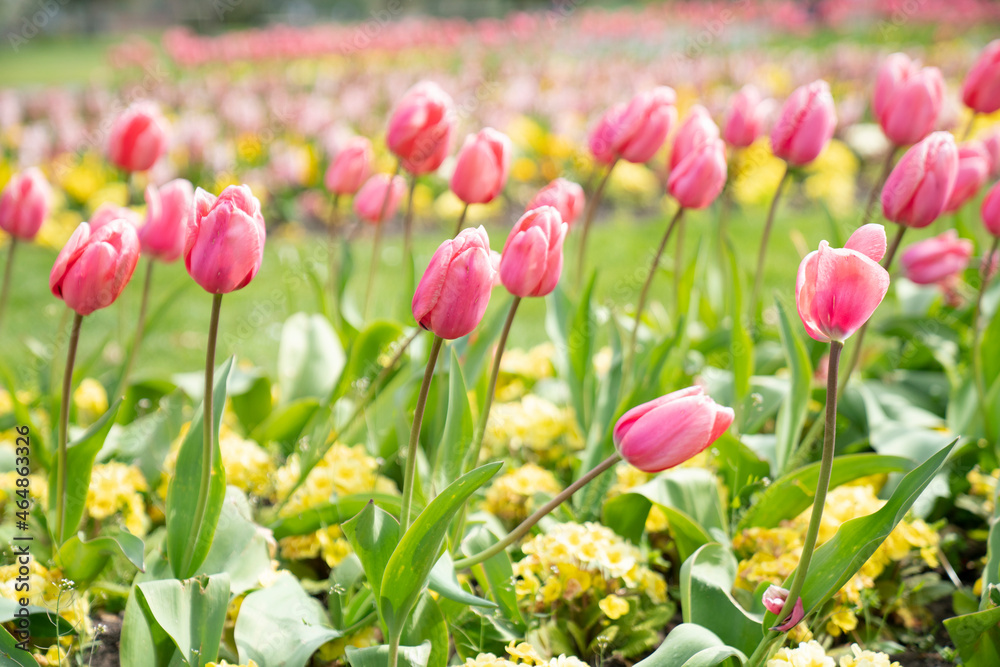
116	487
756	173
512	496
613	607
841	622
532	426
808	654
832	178
90	400
248	465
866	659
634	180
47	588
223	663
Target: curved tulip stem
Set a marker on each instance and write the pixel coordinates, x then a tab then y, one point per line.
678	263
140	328
418	418
67	397
8	273
977	354
461	220
542	511
408	225
877	187
758	280
595	201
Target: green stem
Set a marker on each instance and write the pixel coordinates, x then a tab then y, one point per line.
375	244
758	280
678	263
8	273
331	250
877	188
461	220
977	354
139	330
67	398
408	225
418	418
394	649
529	523
595	201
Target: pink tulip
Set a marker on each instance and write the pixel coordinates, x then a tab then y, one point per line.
700	177
936	259
990	210
746	117
920	184
908	99
774	599
635	131
805	124
169	210
108	212
837	290
671	429
973	170
697	129
532	257
991	142
371	198
455	289
981	90
565	196
350	168
482	167
420	128
94	266
138	137
225	240
24	204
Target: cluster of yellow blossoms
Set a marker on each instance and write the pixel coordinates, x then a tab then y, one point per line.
532	428
573	561
116	487
511	498
523	655
811	654
983	486
49	590
520	370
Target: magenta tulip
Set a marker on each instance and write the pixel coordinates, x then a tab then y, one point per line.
532	258
455	289
635	131
700	177
981	89
565	196
371	204
990	211
805	124
224	247
908	99
774	599
420	128
93	267
697	129
746	117
936	259
138	137
169	211
482	167
837	290
920	184
24	204
351	167
973	170
671	429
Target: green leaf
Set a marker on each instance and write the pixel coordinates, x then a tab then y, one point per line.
146	441
705	584
688	534
599	443
496	574
991	351
331	514
80	456
83	561
427	624
281	626
977	637
378	656
456	439
285	423
738	465
240	547
442	580
408	568
741	345
363	361
187	543
792	414
310	358
253	405
373	534
694	491
191	613
691	645
475	351
991	571
12	655
626	515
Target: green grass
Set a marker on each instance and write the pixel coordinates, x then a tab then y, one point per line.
44	61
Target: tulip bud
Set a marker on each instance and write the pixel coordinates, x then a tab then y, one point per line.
225	240
420	128
981	89
774	599
455	289
377	200
907	99
920	184
837	290
350	168
700	177
936	259
990	211
532	257
671	429
746	117
635	131
94	266
108	212
565	196
138	137
973	170
697	129
482	167
24	204
805	124
169	210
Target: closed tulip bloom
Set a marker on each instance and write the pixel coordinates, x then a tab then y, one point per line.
24	204
420	128
351	167
745	118
565	196
936	259
991	142
108	212
94	266
981	89
805	124
990	210
774	601
455	289
973	170
371	198
138	137
838	289
532	258
635	131
225	240
169	210
482	167
671	429
700	177
920	184
697	129
908	99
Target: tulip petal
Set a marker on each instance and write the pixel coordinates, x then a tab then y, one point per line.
869	240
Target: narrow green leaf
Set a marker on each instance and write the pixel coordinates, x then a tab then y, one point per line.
626	515
427	624
977	637
334	513
310	358
374	341
442	580
792	414
83	561
240	547
456	439
374	534
190	612
253	405
11	654
496	574
286	422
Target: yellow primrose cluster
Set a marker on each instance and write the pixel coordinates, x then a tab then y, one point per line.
116	487
248	465
336	650
90	400
223	663
811	654
48	589
832	178
983	486
37	484
523	654
574	560
531	428
520	369
512	496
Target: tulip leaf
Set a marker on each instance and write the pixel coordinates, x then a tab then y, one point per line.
145	442
310	358
83	561
496	574
286	422
792	414
378	656
626	515
454	453
190	613
374	534
977	637
240	547
12	655
692	645
741	345
427	624
442	580
331	514
253	405
374	341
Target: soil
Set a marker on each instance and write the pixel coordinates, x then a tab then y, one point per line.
106	653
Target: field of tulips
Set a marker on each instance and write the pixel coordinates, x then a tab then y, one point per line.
666	336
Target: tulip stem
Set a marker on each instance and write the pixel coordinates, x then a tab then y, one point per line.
678	263
331	250
139	330
977	354
8	272
378	238
644	294
461	220
539	514
758	280
418	418
877	187
595	201
408	225
67	397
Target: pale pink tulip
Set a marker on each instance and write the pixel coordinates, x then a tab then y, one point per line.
24	204
700	177
990	210
774	599
936	259
138	137
565	196
805	124
420	128
169	211
635	131
224	247
920	184
981	89
351	167
532	257
377	200
973	170
697	129
746	117
908	99
482	167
